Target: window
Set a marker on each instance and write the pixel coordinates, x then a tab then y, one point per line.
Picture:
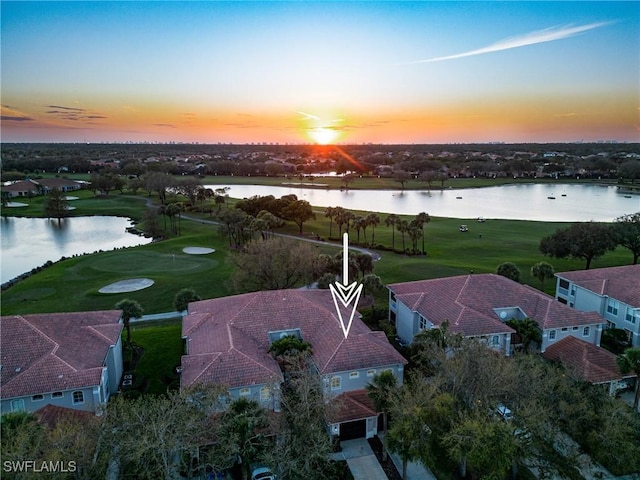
424	324
575	328
37	398
393	297
78	397
17	405
56	395
586	331
564	283
552	334
392	318
573	290
562	300
564	329
371	373
629	317
336	383
612	307
265	393
245	392
353	375
495	340
610	324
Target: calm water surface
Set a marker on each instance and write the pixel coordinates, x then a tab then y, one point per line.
572	202
26	243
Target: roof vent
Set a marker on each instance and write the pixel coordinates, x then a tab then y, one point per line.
60	376
18	369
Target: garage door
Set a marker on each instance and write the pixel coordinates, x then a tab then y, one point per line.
355	429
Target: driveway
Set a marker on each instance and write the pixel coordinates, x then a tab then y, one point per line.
361	460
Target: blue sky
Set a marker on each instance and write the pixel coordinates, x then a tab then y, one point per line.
388	72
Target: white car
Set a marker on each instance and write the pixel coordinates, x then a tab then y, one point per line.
262	473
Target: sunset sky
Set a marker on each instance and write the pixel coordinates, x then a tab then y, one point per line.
301	72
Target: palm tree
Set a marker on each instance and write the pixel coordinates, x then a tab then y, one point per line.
403	227
371	284
629	361
423	218
392	220
358	224
542	271
373	219
528	329
380	390
242	427
329	212
415	232
130	309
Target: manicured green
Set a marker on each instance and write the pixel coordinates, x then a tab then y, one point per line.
73	284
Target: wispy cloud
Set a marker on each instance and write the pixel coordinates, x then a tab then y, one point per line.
10	114
550	34
73	114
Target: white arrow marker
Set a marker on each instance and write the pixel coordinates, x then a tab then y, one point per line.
344	293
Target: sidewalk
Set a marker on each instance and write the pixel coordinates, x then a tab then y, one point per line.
415	470
361	460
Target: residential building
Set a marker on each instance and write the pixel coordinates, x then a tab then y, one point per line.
227	342
478	306
45	185
21	189
590	363
612	292
69	360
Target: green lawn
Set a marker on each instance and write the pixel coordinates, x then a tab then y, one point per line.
162	344
73	284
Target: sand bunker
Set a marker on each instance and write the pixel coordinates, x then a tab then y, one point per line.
197	250
130	285
16	204
71	198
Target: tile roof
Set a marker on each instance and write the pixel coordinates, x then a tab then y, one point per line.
50	415
593	364
228	337
50	352
467	302
353	405
621	283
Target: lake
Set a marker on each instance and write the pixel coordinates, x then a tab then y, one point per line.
571	202
26	243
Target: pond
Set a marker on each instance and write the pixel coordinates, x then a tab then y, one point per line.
538	202
26	243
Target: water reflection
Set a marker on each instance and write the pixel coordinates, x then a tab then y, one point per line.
26	243
571	203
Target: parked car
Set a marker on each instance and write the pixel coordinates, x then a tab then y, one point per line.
262	473
464	228
504	412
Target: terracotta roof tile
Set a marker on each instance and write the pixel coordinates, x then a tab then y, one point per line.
236	329
51	352
354	405
593	364
468	302
621	283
